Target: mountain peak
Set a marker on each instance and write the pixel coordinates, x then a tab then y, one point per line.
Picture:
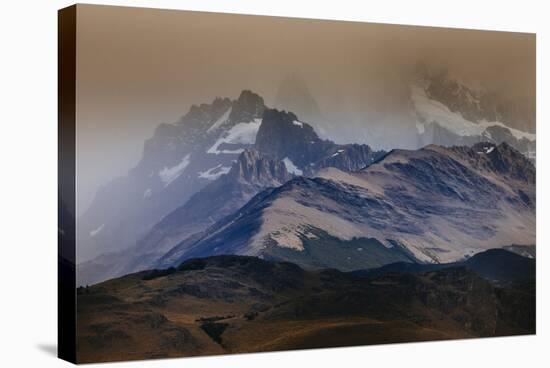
472	101
282	135
502	159
247	95
247	107
280	116
199	114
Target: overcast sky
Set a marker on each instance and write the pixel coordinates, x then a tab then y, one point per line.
141	67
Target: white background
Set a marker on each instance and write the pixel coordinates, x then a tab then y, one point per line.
28	169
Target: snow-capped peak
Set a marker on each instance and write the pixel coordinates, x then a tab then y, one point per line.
431	111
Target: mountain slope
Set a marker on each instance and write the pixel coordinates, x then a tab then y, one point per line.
251	173
177	161
434	205
163	212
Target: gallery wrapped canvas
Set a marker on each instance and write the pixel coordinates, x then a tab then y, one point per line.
236	184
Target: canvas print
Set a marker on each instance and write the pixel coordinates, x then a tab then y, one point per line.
237	184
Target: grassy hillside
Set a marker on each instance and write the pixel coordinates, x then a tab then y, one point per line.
234	304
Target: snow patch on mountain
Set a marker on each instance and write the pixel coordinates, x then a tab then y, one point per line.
487	150
222	119
241	133
97	231
291	168
432	111
214	172
298	123
337	153
169	174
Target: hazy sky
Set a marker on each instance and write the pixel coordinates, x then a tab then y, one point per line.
141	67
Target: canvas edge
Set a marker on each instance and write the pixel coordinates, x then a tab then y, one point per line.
66	271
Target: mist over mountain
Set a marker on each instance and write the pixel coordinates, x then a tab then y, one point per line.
179	160
293	94
451	113
357	73
283	147
251	173
132	215
426	105
252	184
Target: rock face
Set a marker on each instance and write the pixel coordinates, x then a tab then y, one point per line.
449	113
250	174
179	160
281	135
284	137
258	170
433	205
477	105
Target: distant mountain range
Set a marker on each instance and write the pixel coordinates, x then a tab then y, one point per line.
236	177
431	205
236	304
443	110
251	173
254	156
179	160
449	113
499	266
